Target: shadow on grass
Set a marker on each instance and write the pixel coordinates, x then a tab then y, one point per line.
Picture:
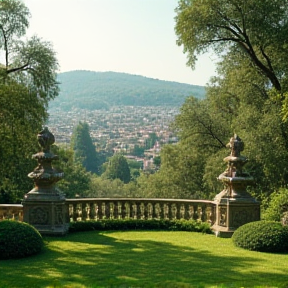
101	259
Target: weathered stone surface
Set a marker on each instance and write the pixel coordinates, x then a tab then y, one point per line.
234	205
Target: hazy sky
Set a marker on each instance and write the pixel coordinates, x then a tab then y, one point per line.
131	36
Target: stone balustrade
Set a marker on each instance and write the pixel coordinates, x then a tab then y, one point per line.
84	209
11	211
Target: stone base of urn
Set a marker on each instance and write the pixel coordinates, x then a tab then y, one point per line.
231	213
46	212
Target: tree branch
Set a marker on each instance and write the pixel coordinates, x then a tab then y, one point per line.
209	129
23	67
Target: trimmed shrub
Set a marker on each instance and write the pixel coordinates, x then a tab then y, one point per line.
18	240
153	224
263	236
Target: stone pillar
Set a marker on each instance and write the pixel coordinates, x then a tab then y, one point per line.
44	206
234	205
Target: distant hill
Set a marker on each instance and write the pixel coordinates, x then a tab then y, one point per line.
100	90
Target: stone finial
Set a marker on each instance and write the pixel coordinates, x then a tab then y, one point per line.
236	145
45	139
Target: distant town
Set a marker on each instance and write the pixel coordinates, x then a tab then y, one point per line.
118	129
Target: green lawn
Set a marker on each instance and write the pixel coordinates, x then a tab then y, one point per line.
145	259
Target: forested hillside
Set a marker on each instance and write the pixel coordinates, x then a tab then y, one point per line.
100	90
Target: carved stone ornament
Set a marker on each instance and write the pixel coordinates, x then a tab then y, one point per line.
44	206
44	175
233	178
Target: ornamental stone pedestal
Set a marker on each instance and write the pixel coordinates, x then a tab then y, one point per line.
234	205
44	206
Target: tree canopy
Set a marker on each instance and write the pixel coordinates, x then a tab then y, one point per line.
32	61
117	168
255	28
27	83
246	97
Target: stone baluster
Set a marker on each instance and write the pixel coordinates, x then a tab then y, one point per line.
149	209
75	212
213	214
157	210
84	213
191	211
99	210
146	210
113	210
169	211
195	211
122	211
133	210
92	211
209	213
177	210
138	204
186	211
182	211
162	207
203	211
106	209
142	211
174	211
128	209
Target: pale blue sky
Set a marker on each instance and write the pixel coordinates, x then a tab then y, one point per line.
131	36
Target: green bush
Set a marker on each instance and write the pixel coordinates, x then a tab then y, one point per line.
263	236
277	205
153	224
18	240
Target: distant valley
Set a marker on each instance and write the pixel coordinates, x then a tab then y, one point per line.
101	90
122	110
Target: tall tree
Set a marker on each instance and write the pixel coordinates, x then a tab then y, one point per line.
84	149
117	167
244	97
31	62
27	83
256	28
250	38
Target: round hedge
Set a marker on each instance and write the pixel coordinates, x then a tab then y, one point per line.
263	236
18	240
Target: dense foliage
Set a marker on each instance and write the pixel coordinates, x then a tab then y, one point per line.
76	181
168	225
100	90
27	83
246	97
18	240
263	236
256	28
117	168
278	205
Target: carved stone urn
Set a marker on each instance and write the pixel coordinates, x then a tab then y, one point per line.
234	205
44	206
